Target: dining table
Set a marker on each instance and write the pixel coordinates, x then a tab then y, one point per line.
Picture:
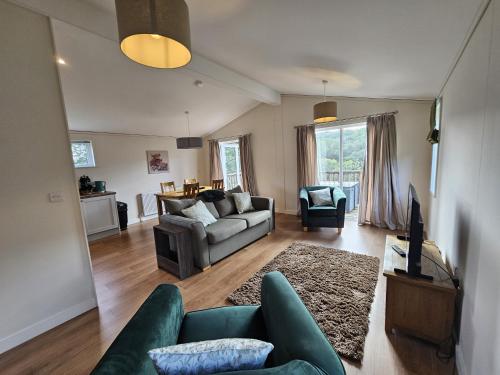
175	194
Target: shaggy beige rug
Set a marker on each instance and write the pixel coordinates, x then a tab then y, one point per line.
336	286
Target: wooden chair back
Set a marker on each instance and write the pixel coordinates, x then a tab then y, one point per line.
191	190
190	180
167	186
218	184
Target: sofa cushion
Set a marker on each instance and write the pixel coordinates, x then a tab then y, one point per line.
211	356
226	206
223	229
252	218
321	197
212	209
322	211
243	202
199	212
175	206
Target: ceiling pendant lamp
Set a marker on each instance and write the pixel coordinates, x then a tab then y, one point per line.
154	33
325	111
189	142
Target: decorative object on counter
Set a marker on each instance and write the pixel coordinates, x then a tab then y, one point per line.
99	186
157	161
85	184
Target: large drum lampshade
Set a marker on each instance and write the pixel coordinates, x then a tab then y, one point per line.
154	33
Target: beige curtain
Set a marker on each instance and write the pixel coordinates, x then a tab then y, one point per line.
307	168
246	161
380	202
215	162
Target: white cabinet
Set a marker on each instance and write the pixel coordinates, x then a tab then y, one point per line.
100	215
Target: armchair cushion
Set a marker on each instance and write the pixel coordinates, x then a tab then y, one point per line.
223	229
321	197
252	218
322	211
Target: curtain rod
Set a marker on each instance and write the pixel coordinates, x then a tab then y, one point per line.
350	118
233	137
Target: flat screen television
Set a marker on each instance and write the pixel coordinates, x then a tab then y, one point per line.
415	228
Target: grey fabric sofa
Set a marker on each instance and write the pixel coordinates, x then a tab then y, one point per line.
231	232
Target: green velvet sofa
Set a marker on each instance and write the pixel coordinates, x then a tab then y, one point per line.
331	216
300	347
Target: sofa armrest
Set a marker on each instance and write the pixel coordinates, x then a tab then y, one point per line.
304	205
339	199
292	329
223	322
156	324
198	240
263	203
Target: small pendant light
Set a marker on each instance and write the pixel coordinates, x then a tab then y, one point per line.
154	33
189	142
325	111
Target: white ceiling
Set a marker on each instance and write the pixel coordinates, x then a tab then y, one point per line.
365	48
248	51
105	91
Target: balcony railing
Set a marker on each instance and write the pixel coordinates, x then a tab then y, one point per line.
232	181
334	176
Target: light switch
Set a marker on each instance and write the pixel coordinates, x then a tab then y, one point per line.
56	196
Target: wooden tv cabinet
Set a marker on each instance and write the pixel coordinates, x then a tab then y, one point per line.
418	307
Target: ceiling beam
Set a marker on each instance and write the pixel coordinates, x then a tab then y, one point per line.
87	17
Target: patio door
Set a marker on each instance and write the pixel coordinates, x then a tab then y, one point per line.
341	154
230	160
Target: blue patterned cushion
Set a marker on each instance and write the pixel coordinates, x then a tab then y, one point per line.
209	357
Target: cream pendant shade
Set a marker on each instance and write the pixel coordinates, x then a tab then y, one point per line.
325	112
154	33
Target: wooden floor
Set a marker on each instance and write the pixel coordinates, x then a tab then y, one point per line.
125	273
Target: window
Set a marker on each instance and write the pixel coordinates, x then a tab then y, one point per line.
341	154
83	155
230	160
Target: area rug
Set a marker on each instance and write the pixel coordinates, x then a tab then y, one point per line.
337	287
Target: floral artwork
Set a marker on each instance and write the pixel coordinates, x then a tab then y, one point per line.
157	161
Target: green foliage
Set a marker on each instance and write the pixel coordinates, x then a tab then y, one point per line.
354	149
231	154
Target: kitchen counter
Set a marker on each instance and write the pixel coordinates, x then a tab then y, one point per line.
96	194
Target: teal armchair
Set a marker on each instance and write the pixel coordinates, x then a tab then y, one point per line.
322	216
300	347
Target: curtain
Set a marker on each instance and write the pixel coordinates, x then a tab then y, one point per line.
215	162
380	202
246	162
307	167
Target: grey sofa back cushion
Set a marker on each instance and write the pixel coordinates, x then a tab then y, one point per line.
236	189
226	206
212	209
174	206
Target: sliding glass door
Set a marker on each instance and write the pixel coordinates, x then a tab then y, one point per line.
341	153
230	160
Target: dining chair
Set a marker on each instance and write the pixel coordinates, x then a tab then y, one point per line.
190	180
191	190
167	186
218	184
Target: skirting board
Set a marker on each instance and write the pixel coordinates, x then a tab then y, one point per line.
459	357
44	325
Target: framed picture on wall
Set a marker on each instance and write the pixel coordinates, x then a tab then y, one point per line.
157	161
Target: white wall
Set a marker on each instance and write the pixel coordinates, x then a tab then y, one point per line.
45	274
465	215
121	162
274	142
